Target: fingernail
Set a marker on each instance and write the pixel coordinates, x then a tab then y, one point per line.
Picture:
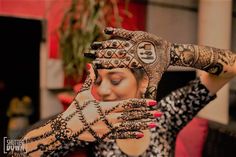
88	66
152	125
152	103
157	114
139	135
97	65
90	54
96	45
108	30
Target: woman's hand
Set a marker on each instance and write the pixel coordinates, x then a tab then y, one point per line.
133	49
137	49
88	119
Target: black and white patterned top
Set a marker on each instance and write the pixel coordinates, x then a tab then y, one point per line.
178	109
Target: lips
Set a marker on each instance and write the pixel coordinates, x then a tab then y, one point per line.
108	99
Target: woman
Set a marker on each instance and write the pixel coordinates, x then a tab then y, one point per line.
154	55
136	49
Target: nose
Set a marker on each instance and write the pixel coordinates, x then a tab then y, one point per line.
104	89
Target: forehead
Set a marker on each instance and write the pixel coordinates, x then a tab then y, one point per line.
116	71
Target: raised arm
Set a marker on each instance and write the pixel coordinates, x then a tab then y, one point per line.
137	49
219	64
88	120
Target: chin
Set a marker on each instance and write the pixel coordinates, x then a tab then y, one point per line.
109	99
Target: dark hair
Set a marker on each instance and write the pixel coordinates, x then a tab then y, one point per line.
138	74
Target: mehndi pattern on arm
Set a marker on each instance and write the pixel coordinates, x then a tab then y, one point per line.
209	59
133	49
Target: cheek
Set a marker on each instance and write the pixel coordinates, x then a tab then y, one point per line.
126	89
95	93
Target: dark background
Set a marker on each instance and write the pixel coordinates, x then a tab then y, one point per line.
19	65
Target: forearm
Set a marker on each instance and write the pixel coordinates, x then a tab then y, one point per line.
181	105
57	136
215	61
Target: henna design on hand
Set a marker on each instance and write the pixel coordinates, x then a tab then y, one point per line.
135	49
206	58
134	125
61	135
135	114
134	103
69	139
86	85
60	129
125	135
128	115
87	125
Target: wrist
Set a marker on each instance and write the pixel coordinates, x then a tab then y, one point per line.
75	127
174	55
38	140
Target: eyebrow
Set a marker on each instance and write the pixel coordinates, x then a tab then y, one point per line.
115	72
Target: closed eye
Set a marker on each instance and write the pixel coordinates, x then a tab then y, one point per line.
116	81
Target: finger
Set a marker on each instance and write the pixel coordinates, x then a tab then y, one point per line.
119	32
135	104
138	114
91	54
154	79
135	125
132	115
115	43
110	53
123	134
151	92
118	106
127	62
90	78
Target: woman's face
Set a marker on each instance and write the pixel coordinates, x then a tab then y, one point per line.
117	84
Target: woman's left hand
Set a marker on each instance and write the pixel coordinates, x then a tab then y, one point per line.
133	49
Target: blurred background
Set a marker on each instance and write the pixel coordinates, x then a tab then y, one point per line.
38	79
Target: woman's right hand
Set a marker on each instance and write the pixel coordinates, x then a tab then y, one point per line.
88	120
91	120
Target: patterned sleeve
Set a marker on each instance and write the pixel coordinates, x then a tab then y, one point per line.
181	105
